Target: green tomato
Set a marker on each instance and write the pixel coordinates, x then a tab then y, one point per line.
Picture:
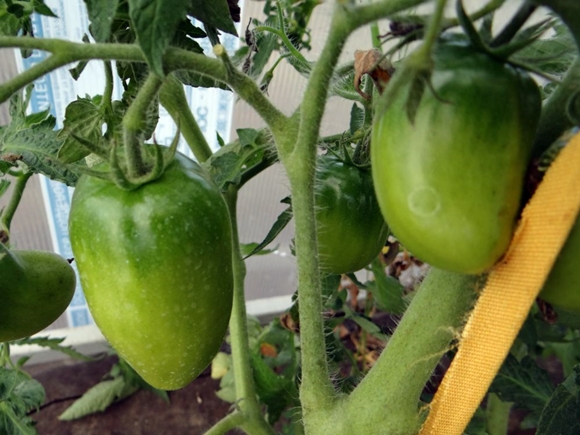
351	230
450	184
155	265
562	288
35	289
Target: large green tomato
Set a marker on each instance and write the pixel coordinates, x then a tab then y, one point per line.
35	289
562	288
450	184
351	229
156	268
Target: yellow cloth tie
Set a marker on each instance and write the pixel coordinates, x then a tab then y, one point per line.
510	291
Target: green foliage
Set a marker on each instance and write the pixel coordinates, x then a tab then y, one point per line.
19	394
32	140
121	382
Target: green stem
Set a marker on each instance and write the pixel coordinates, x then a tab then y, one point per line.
28	76
433	28
247	89
10	209
522	15
106	103
367	13
134	123
497	415
172	97
553	121
246	398
229	422
388	397
280	33
298	154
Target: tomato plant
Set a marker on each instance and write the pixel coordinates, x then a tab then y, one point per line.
35	288
454	120
351	228
450	182
155	266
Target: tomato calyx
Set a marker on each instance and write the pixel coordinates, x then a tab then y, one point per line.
155	160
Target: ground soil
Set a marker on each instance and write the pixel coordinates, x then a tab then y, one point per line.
192	410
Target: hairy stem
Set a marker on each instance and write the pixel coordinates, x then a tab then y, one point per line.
244	380
229	422
8	212
299	155
391	390
172	97
134	122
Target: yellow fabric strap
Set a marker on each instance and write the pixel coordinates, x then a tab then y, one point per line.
510	291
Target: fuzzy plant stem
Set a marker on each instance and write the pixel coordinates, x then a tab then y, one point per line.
246	398
172	97
388	396
133	125
7	214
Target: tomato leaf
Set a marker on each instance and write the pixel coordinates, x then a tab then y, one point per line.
155	22
18	395
84	119
98	398
101	14
387	291
357	117
281	221
561	416
524	383
53	344
215	13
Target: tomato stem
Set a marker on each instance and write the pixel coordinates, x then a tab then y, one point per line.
172	97
389	395
8	212
134	123
244	380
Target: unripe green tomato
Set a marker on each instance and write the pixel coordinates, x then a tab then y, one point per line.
35	289
562	288
351	229
450	183
155	264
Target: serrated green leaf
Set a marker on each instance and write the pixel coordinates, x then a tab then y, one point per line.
97	399
101	14
523	383
53	344
155	23
272	388
19	394
38	147
9	23
365	323
82	118
4	184
228	164
41	8
387	291
357	117
281	221
215	13
561	416
13	424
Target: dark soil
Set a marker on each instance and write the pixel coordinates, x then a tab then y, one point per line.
192	410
